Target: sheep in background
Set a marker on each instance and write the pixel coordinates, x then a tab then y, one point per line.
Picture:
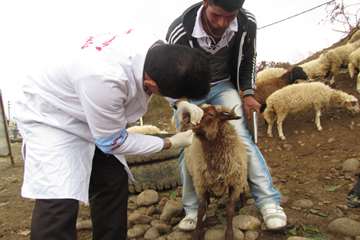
269	73
145	129
303	97
267	85
318	68
217	162
354	67
339	56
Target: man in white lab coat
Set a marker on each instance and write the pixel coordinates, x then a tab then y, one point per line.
85	100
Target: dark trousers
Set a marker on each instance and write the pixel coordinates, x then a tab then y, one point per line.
55	219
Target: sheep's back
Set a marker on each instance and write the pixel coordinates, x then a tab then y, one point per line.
344	51
299	97
316	68
268	74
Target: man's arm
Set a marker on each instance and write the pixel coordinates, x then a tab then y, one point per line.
248	63
247	69
176	33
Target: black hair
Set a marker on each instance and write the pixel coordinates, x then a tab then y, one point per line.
228	5
179	71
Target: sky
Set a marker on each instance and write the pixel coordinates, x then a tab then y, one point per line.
33	30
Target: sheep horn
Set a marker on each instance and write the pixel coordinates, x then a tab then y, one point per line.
234	113
231	115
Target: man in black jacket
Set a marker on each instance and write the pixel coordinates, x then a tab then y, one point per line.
226	32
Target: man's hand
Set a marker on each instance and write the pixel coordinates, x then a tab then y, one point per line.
250	105
181	139
196	113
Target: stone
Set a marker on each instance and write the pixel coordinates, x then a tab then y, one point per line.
303	203
178	235
246	222
147	198
136	231
351	165
172	208
345	226
152	233
251	235
137	218
161	226
218	233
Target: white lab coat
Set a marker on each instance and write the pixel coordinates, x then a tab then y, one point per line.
66	106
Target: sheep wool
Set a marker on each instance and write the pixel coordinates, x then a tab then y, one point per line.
354	66
339	56
269	73
303	97
217	160
269	84
317	68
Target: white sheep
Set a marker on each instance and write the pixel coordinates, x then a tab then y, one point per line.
303	97
317	68
269	73
271	81
145	129
217	162
354	67
339	56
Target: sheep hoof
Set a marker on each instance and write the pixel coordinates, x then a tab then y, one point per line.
320	129
283	138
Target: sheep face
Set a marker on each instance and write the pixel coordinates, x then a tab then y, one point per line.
352	105
213	119
296	73
350	102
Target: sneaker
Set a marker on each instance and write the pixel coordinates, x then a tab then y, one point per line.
274	216
188	223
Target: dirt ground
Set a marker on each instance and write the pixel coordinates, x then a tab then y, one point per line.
305	166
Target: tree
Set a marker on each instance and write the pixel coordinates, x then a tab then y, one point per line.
345	14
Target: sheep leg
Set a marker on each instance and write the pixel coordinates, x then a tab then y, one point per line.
270	119
199	230
358	82
351	69
230	211
317	119
280	120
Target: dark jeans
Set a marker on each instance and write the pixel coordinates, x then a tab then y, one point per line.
55	219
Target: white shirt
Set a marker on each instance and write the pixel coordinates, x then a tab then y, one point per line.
69	105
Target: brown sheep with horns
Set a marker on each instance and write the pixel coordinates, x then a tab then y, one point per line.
217	162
